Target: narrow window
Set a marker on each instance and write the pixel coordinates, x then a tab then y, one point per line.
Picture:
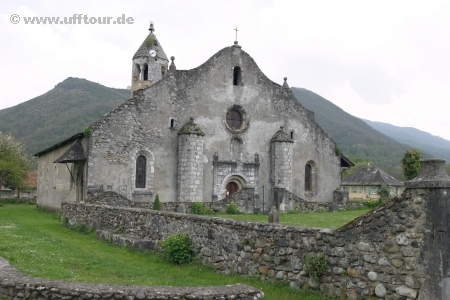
141	171
138	72
236	149
172	123
163	70
292	134
237	79
146	72
155	42
308	177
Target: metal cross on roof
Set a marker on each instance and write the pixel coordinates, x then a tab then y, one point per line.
151	27
236	32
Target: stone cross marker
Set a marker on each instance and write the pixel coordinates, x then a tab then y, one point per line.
274	216
334	207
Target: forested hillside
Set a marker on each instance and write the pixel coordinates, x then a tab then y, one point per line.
431	145
356	139
60	113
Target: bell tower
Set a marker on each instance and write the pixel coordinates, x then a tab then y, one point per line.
150	63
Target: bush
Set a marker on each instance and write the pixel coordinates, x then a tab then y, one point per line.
315	265
177	249
232	209
373	203
157	203
199	209
82	228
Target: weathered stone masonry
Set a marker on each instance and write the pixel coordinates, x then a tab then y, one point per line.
14	285
397	251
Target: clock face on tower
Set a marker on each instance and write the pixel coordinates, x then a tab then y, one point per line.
152	53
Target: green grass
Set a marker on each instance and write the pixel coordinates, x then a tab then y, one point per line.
318	219
37	245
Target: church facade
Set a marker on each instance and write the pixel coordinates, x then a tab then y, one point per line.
195	135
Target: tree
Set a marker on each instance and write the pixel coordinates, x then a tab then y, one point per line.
384	193
410	163
14	162
157	203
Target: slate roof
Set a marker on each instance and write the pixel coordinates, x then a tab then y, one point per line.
346	162
74	154
62	143
191	128
144	49
371	176
281	136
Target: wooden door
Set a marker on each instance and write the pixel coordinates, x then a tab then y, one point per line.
232	188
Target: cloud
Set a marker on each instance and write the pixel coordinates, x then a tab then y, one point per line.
374	85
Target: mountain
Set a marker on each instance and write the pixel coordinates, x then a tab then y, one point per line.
60	113
431	145
356	139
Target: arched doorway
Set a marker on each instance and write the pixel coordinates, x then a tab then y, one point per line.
232	187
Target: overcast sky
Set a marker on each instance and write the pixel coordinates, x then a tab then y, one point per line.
386	61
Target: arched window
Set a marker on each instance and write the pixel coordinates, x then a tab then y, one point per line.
145	72
137	72
141	172
308	177
237	77
172	122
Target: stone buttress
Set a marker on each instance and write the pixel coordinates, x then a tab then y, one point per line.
190	163
281	154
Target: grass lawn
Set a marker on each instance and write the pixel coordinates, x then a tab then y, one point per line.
319	219
37	245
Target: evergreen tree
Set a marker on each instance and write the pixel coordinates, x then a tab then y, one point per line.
157	203
410	163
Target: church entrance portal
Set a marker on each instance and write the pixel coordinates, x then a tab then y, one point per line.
232	188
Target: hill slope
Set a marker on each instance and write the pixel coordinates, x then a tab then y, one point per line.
60	113
355	138
432	145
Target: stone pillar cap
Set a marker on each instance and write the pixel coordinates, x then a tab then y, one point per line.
432	175
279	186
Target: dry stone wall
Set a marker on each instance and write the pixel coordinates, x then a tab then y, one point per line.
376	254
14	285
399	250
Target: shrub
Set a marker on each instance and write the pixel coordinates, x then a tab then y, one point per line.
82	228
177	249
315	265
232	209
87	132
373	203
199	209
384	193
157	203
149	41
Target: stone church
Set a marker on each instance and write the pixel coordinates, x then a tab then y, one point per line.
195	135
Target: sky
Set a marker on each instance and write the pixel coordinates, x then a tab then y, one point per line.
386	61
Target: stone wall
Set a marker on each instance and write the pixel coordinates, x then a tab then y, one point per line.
241	199
376	254
114	199
14	285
